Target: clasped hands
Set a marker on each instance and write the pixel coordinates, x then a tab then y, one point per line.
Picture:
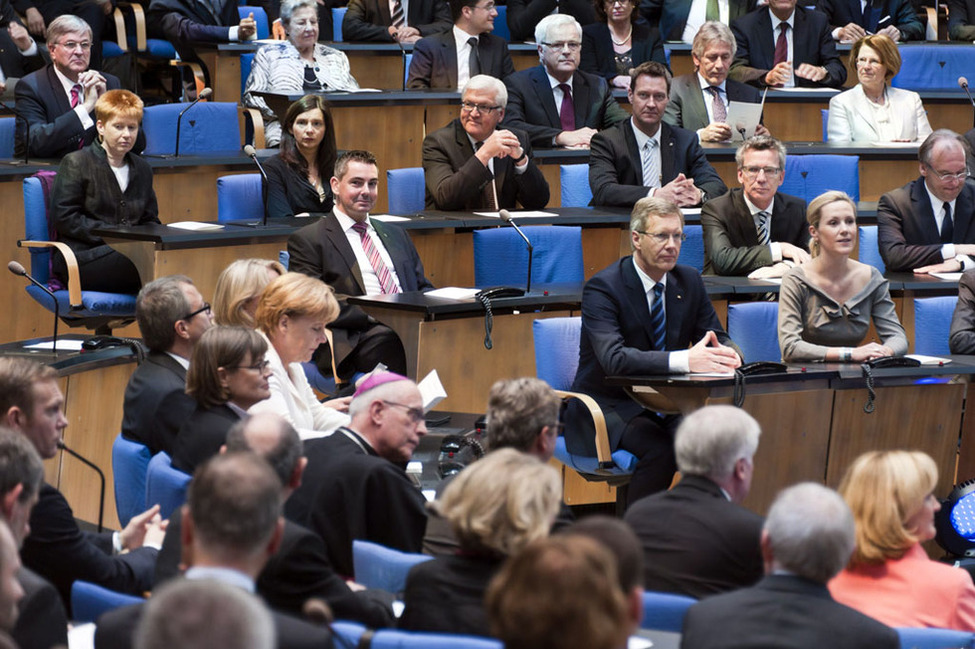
501	144
709	355
781	73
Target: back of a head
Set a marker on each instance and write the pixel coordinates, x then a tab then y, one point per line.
271	437
204	614
709	441
20	464
239	287
517	411
810	531
158	306
17	379
619	538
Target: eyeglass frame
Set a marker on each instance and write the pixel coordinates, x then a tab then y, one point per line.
753	171
945	176
205	308
416	414
657	236
573	46
73	45
480	108
257	367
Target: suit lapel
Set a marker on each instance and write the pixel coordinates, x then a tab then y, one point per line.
58	91
667	153
741	219
387	18
675	310
335	238
399	260
697	110
861	108
922	207
580	99
449	48
545	96
766	40
633	153
800	42
636	296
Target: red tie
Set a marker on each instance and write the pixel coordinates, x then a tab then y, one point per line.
567	114
76	95
781	46
386	282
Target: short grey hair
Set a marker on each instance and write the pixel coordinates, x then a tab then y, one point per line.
647	207
382	392
713	31
811	531
760	143
158	306
554	21
67	24
289	7
942	136
517	411
487	82
711	440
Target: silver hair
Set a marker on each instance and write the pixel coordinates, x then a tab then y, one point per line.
554	21
760	143
711	440
487	82
289	7
711	32
66	24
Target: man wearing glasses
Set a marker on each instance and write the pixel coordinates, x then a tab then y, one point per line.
754	230
927	225
471	164
557	104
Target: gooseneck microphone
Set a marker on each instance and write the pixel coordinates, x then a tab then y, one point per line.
20	116
206	92
741	130
963	84
506	217
18	269
101	499
250	151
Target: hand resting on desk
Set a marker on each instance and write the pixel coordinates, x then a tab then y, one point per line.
709	355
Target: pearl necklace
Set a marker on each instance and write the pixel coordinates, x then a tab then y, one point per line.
622	42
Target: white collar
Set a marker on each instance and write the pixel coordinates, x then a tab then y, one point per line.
645	279
347	221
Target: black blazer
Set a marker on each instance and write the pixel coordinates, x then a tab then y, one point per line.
961	340
841	13
290	193
157	377
812	42
672	14
42	622
202	435
523	15
455	179
616	169
531	105
961	20
907	233
686	107
14	64
598	56
434	62
369	20
731	244
446	595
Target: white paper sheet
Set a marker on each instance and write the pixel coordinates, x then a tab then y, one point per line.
196	226
452	293
525	214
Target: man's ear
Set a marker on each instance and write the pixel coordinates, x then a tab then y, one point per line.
275	542
15	418
181	329
10	500
767	555
295	480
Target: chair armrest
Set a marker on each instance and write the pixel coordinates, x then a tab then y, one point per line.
603	452
257	121
197	72
139	17
331	353
74	277
120	35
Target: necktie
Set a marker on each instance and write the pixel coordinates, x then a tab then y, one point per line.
947	227
764	236
717	106
398	14
488	192
475	64
651	164
76	91
711	11
386	282
781	45
658	320
567	114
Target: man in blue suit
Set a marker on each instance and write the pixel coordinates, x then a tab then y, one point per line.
640	316
850	21
679	20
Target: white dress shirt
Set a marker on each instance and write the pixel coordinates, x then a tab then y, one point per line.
369	277
679	362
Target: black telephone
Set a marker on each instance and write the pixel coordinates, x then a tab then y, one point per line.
498	292
456	452
762	367
892	361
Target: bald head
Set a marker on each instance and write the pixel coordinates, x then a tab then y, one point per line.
271	437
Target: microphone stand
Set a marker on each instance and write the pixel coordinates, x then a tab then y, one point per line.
19	270
506	217
206	92
251	152
963	82
101	501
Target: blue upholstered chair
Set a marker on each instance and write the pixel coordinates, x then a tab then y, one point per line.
260	17
405	190
393	639
89	601
338	15
932	323
808	176
935	638
347	633
130	462
501	23
407	59
7	125
825	114
869	252
692	250
165	485
501	257
575	185
754	328
665	611
932	67
210	127
246	63
377	566
240	197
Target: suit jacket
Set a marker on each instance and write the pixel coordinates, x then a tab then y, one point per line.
14	64
695	541
54	128
672	14
456	180
531	104
369	20
961	339
523	15
322	250
961	20
686	107
434	62
349	492
290	193
598	56
186	22
201	436
852	119
812	42
42	622
907	233
841	13
446	595
731	244
616	169
156	378
59	551
784	612
616	341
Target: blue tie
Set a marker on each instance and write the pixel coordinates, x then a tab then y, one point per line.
658	321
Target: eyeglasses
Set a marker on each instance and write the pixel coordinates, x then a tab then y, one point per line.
947	175
257	367
664	237
203	309
469	107
489	7
73	45
573	46
416	415
868	62
752	172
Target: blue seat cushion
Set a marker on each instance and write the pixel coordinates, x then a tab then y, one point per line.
624	460
93	303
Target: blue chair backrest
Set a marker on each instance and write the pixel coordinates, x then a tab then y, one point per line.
210	126
260	17
284	257
89	601
239	197
407	60
7	125
338	15
575	185
932	67
347	633
808	176
665	611
825	114
377	566
246	63
130	462
393	639
405	190
500	255
557	350
932	323
165	485
36	229
754	327
692	250
918	638
869	249
501	23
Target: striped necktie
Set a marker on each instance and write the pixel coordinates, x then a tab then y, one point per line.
398	20
651	164
658	320
764	235
386	281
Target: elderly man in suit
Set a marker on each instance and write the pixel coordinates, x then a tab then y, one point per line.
808	538
928	225
680	20
524	15
851	20
786	45
556	103
644	314
642	157
386	21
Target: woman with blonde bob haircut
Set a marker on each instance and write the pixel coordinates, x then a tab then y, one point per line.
239	287
496	507
890	577
292	315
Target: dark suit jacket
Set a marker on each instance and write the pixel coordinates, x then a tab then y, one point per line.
616	169
785	612
290	193
523	15
322	250
14	64
598	56
907	233
686	107
531	104
348	494
812	42
186	22
54	128
156	378
369	20
961	340
60	552
616	341
201	436
434	62
731	241
672	14
456	180
42	622
961	20
695	541
841	13
446	595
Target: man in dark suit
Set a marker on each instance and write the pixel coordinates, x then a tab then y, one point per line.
324	250
471	164
556	103
19	53
449	59
928	225
961	336
680	19
756	227
697	539
808	537
384	21
524	15
172	316
231	526
961	20
185	23
356	486
642	157
850	20
92	13
623	333
803	53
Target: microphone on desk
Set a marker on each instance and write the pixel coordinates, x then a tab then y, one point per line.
19	115
506	217
101	475
963	84
252	153
741	130
205	93
18	269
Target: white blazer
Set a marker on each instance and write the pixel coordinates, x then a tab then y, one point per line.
851	118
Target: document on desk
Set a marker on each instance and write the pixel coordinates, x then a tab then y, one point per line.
63	345
929	360
453	293
523	214
431	390
950	277
389	218
196	226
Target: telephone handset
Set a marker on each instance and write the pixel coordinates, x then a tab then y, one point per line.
878	364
